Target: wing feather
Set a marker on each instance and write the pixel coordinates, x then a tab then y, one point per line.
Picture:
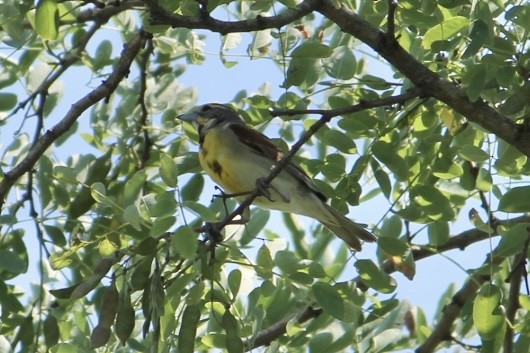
264	147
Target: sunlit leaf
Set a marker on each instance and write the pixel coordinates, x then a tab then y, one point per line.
512	242
487	313
47	19
445	30
373	277
516	199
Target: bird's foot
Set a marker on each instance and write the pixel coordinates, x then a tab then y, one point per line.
263	189
223	195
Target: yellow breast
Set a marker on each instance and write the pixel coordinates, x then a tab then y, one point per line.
220	157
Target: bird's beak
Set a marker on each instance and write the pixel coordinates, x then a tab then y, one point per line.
191	117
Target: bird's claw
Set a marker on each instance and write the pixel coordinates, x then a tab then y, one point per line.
263	189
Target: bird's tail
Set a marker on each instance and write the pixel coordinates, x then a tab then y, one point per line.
349	231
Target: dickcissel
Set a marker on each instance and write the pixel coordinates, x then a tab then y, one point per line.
236	157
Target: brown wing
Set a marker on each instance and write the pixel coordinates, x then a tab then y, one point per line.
264	147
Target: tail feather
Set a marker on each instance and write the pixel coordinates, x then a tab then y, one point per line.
349	231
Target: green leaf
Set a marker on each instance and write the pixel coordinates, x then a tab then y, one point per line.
56	235
7	101
12	262
386	153
133	187
516	200
387	339
287	262
161	225
302	72
124	318
512	242
47	19
393	246
518	102
51	331
141	273
168	171
449	170
445	30
487	313
341	64
433	202
340	141
374	277
312	49
193	188
103	54
257	223
479	35
98	192
382	178
132	217
234	281
438	233
161	204
474	80
375	82
188	328
473	153
264	262
484	180
107	247
331	301
234	343
64	173
184	241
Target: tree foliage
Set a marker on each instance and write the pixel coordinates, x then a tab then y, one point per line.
120	228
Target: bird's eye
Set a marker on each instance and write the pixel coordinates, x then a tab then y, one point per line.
205	108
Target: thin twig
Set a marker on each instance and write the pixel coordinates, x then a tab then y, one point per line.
160	16
102	91
144	117
391	19
362	105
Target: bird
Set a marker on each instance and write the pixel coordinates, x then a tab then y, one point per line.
237	157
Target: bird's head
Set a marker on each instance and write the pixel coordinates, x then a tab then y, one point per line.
210	115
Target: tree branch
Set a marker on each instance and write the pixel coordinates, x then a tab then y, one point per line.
104	90
104	13
160	16
414	92
478	112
